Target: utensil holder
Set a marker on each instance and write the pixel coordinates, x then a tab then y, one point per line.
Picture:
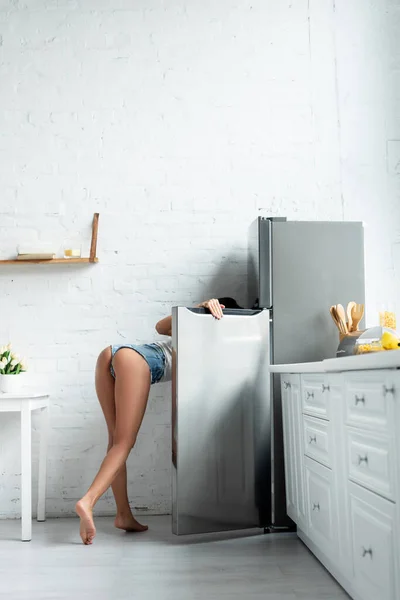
347	342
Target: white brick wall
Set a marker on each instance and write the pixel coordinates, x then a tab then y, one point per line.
179	122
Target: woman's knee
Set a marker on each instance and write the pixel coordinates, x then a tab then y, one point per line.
125	443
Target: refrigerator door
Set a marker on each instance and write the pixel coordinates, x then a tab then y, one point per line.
314	265
221	421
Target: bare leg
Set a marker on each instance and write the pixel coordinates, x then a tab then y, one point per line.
105	384
132	388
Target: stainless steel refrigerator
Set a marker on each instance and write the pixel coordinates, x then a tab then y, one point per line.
227	423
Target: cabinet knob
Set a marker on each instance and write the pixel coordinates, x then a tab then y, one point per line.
313	439
359	399
310	395
363	459
286	385
387	390
316	506
325	388
366	552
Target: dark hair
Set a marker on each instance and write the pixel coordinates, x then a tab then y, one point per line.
229	302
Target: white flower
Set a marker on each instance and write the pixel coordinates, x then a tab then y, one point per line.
14	362
4	360
3	349
14	356
9	346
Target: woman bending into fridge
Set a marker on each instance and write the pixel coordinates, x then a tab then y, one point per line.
123	378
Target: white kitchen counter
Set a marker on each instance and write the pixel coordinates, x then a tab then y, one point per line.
375	360
341	419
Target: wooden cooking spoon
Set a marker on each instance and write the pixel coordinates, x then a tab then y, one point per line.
357	313
342	317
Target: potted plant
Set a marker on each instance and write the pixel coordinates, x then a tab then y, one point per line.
10	366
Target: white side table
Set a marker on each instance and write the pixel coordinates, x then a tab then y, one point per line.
25	403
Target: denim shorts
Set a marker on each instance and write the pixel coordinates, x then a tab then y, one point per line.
151	353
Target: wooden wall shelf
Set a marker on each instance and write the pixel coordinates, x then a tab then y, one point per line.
49	261
92	258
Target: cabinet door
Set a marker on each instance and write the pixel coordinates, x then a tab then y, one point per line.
299	453
289	446
321	506
370	400
315	396
294	450
373	540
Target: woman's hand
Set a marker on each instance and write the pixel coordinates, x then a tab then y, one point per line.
214	307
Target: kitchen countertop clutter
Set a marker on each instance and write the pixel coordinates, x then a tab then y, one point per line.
341	422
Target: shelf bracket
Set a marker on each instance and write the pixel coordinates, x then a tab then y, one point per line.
93	245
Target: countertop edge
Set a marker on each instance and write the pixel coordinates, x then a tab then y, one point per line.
314	367
377	360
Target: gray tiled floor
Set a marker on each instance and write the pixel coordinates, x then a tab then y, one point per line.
157	565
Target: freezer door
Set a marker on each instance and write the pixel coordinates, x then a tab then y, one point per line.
314	265
221	424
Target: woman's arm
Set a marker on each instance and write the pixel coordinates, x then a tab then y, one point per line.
164	327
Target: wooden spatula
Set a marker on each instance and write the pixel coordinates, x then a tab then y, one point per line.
357	313
349	317
342	317
338	321
332	310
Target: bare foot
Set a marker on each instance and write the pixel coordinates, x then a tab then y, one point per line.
87	528
129	523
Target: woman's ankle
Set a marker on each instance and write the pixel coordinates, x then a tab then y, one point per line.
87	501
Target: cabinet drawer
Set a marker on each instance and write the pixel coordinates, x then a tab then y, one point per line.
370	400
314	390
373	542
318	440
371	461
322	512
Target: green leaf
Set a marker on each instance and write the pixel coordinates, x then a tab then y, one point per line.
17	369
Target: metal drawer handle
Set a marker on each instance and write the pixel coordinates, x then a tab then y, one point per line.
362	459
366	552
310	395
387	390
313	439
359	399
286	385
325	388
316	506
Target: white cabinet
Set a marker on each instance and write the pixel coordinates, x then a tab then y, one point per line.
373	544
314	393
370	399
293	440
321	505
371	461
318	440
342	460
290	450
